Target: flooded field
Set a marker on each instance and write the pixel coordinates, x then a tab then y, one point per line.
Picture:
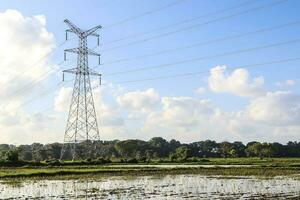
155	187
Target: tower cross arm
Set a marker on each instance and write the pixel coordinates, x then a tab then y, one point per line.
92	34
92	31
75	70
73	50
93	53
72	71
93	73
78	50
73	27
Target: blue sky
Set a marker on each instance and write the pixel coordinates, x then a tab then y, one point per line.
108	12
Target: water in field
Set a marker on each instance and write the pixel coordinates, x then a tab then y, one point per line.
152	187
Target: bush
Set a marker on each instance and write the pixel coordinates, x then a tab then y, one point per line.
100	161
193	159
204	160
142	159
12	156
53	162
132	160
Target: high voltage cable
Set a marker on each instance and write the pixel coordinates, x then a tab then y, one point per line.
31	85
48	108
35	82
45	75
204	43
143	14
191	74
148	12
195	26
180	22
241	51
208	71
43	94
33	65
205	57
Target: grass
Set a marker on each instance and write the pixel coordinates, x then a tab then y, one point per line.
256	161
255	167
102	171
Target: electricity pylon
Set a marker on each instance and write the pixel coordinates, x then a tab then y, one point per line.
82	123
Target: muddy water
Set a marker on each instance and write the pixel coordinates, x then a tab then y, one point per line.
152	187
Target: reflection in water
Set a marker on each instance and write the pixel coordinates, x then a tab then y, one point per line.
164	187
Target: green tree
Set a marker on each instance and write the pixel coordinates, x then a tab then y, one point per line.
181	153
12	156
226	149
160	145
129	148
255	150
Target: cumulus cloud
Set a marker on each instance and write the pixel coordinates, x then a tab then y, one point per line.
143	114
63	99
187	119
110	119
276	108
238	82
139	100
200	90
26	42
286	83
175	109
274	116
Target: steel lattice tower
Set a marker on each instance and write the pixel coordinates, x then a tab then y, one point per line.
82	123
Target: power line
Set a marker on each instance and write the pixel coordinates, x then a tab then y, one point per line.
45	75
206	57
197	73
208	71
180	22
204	43
44	94
35	82
143	14
35	64
50	107
195	26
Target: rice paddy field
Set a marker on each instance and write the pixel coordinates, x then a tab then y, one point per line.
228	180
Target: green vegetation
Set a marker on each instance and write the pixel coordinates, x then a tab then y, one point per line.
77	172
117	157
245	167
133	151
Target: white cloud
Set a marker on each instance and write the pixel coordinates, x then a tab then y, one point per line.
286	83
277	108
26	42
138	114
63	99
139	100
200	90
237	83
186	119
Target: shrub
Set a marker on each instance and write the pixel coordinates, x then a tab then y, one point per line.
132	160
12	156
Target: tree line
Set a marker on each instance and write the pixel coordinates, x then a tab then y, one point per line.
145	151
